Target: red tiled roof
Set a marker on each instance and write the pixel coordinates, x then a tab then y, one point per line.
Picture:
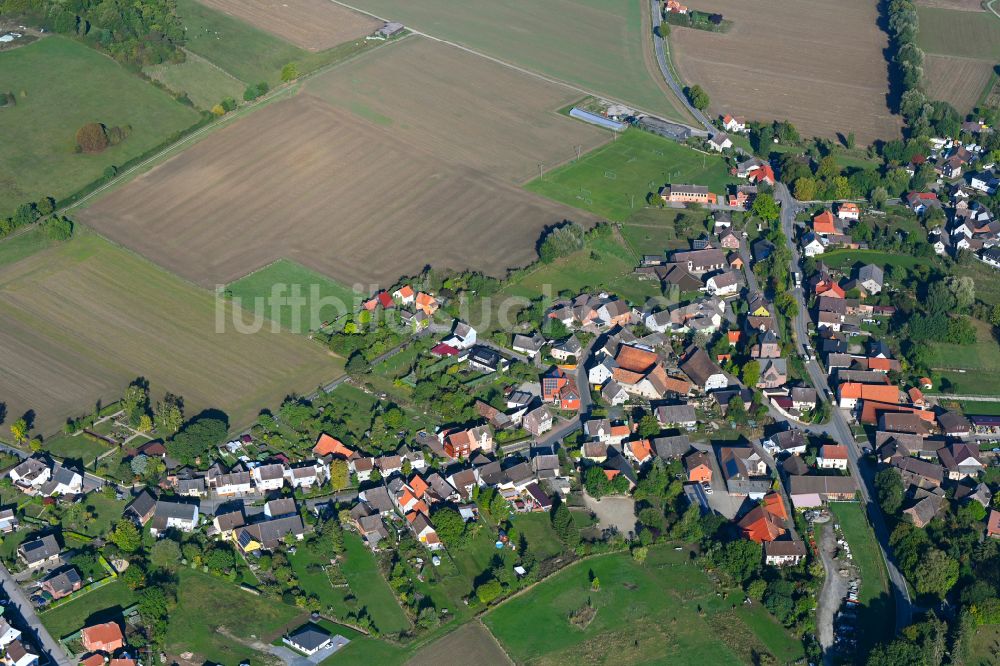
824	223
327	445
635	359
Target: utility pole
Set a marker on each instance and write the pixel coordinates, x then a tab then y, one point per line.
578	153
539	171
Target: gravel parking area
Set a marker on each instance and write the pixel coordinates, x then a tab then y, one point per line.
613	513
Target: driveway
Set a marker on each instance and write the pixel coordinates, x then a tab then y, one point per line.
616	513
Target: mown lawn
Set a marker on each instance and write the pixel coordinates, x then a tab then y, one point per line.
61	85
663	611
845	259
209	608
983	355
370	587
75	447
614	179
101	605
538	532
959	33
605	264
309	567
980	408
322	299
204	84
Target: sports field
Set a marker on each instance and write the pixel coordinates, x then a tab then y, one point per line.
324	299
613	180
61	85
85	318
351	199
817	64
205	84
602	46
666	607
309	24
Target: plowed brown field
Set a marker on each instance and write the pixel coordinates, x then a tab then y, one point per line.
311	24
957	80
420	166
817	63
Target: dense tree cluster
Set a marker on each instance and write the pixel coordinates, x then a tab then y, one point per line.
146	32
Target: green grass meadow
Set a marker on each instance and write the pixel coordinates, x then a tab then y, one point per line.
246	53
370	587
595	44
205	84
61	85
845	259
614	179
101	605
327	296
959	33
213	606
877	617
664	611
984	355
605	264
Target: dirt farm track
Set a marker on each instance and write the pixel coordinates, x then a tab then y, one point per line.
311	24
816	63
362	196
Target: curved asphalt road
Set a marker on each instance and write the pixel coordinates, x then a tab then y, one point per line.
661	59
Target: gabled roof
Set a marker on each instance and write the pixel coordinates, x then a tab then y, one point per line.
328	445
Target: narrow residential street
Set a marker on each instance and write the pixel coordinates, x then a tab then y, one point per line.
838	428
34	630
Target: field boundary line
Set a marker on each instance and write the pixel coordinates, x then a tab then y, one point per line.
292	88
509	65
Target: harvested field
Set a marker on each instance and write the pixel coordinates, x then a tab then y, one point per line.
301	180
958	33
311	24
960	81
461	107
817	64
84	318
603	46
471	643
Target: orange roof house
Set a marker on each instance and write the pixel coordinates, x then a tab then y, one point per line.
765	522
635	359
327	446
926	383
404	293
419	485
993	524
824	223
92	660
426	303
916	397
105	637
872	409
734	337
641	450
